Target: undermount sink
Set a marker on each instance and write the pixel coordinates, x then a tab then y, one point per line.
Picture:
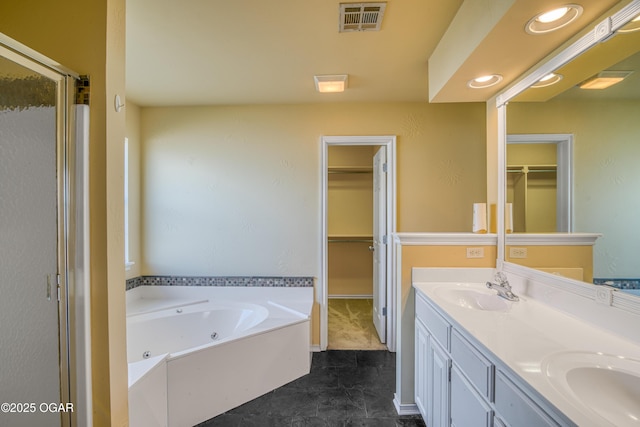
604	384
473	297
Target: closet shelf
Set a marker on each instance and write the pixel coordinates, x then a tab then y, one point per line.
351	238
350	169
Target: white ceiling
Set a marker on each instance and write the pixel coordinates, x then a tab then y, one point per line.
208	52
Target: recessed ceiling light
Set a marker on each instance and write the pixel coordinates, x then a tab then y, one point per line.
547	80
552	20
632	26
331	83
484	81
604	79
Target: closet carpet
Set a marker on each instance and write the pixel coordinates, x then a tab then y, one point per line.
351	325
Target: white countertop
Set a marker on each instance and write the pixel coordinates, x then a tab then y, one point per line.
526	334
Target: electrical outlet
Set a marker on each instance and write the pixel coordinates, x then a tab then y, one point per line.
518	252
475	252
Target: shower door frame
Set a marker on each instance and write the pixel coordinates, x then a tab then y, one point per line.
72	230
388	143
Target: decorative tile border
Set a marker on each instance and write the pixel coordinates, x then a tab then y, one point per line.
290	282
619	283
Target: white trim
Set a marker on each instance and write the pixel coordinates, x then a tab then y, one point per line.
624	301
82	266
556	239
389	143
502	180
405	408
561	283
564	160
445	239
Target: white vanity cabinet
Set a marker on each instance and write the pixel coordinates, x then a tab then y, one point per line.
458	384
433	365
432	377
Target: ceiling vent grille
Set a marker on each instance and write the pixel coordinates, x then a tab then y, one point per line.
361	16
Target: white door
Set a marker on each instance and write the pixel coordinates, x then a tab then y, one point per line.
379	246
29	316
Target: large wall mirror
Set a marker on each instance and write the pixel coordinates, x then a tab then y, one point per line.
600	191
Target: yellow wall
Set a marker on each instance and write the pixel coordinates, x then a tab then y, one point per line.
88	37
350	268
236	190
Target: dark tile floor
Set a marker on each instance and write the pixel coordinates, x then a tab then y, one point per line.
344	388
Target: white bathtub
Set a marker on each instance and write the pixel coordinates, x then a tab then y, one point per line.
214	347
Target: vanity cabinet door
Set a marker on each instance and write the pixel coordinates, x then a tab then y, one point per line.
421	368
468	409
438	398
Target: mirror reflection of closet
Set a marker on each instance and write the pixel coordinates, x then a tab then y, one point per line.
350	239
532	187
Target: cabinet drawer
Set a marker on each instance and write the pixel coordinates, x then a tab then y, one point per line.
517	409
477	368
435	323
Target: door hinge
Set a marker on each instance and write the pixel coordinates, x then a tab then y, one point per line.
384	167
58	286
384	239
384	311
449	372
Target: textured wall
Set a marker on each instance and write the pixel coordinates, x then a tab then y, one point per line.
236	190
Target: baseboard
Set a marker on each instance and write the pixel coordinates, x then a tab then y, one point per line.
405	408
350	296
315	349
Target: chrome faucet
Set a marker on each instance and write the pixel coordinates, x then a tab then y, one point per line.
501	284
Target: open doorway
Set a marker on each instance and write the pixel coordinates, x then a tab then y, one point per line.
358	198
539	171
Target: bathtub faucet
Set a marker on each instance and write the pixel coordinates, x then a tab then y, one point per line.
501	284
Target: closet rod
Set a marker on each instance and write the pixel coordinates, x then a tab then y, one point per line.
530	170
350	240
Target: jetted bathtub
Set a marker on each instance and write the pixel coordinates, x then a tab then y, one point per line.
196	352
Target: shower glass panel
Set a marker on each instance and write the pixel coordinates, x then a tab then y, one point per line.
29	244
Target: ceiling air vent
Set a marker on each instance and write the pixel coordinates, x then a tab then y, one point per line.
361	16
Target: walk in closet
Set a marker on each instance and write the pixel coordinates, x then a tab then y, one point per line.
532	187
350	243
